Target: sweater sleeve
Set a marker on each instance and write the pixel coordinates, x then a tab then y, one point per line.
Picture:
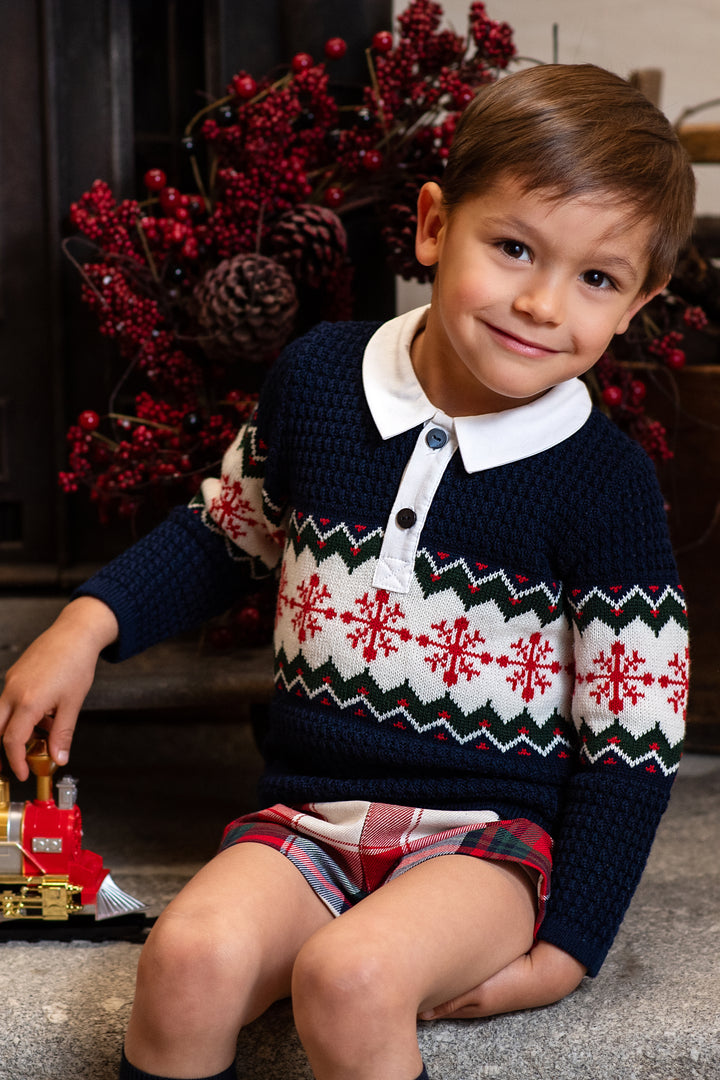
629	705
205	555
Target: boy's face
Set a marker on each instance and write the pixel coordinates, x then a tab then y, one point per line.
528	293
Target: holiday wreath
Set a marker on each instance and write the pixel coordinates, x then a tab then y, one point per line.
201	290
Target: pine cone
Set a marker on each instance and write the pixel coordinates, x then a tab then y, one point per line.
310	242
247	304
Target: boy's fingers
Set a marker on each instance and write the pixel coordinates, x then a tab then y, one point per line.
18	731
61	736
511	988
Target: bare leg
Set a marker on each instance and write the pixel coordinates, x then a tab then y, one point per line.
217	957
434	933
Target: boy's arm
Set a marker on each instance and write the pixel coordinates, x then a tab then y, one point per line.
628	617
50	681
191	567
544	975
206	555
631	682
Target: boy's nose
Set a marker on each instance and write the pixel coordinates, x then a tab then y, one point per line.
543	301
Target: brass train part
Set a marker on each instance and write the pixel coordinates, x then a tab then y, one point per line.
41	766
48	897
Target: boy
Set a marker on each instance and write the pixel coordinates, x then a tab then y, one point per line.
481	641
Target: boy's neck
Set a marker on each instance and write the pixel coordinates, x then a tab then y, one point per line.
450	395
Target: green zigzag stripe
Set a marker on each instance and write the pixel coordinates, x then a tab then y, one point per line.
434	577
616	742
253	456
403	704
636	606
513	595
354	552
511	599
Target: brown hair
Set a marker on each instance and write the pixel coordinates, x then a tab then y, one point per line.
576	130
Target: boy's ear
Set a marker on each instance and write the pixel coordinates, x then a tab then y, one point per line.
431	217
640	301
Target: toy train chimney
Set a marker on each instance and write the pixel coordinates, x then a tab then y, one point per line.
42	767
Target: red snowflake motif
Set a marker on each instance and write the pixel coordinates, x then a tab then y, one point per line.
531	667
375	624
618	677
231	511
310	611
680	667
454	650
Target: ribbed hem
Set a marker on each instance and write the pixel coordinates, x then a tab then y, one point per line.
129	1072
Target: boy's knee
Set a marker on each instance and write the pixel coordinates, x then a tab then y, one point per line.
350	1005
184	955
338	978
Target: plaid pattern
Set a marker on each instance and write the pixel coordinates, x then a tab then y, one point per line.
346	850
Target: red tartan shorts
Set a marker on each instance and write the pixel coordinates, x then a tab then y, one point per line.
346	850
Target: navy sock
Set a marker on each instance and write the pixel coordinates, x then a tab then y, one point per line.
129	1072
423	1075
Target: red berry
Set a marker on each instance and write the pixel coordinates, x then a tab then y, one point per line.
170	199
244	85
463	96
155	179
334	196
638	390
88	420
128	508
301	61
382	42
372	160
247	619
676	359
695	317
612	395
220	637
335	48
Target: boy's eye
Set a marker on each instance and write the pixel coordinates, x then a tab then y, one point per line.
598	279
515	250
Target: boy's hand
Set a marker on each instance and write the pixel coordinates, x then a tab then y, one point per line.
540	977
50	681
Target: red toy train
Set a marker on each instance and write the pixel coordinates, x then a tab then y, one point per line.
45	873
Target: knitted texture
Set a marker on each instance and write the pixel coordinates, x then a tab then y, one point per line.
537	665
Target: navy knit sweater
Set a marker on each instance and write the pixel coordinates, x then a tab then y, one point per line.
536	665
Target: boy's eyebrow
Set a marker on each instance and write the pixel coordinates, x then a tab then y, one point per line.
619	264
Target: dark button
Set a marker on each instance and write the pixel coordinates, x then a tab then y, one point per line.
436	438
406	518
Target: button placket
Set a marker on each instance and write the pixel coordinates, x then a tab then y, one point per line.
433	450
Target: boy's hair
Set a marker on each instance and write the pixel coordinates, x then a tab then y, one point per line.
578	130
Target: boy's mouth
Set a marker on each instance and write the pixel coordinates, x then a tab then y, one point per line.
520	345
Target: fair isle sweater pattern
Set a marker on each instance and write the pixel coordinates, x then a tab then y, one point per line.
536	666
473	652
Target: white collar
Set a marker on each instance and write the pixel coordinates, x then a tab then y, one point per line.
398	402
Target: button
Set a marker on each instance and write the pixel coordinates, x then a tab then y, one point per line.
406	518
436	438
